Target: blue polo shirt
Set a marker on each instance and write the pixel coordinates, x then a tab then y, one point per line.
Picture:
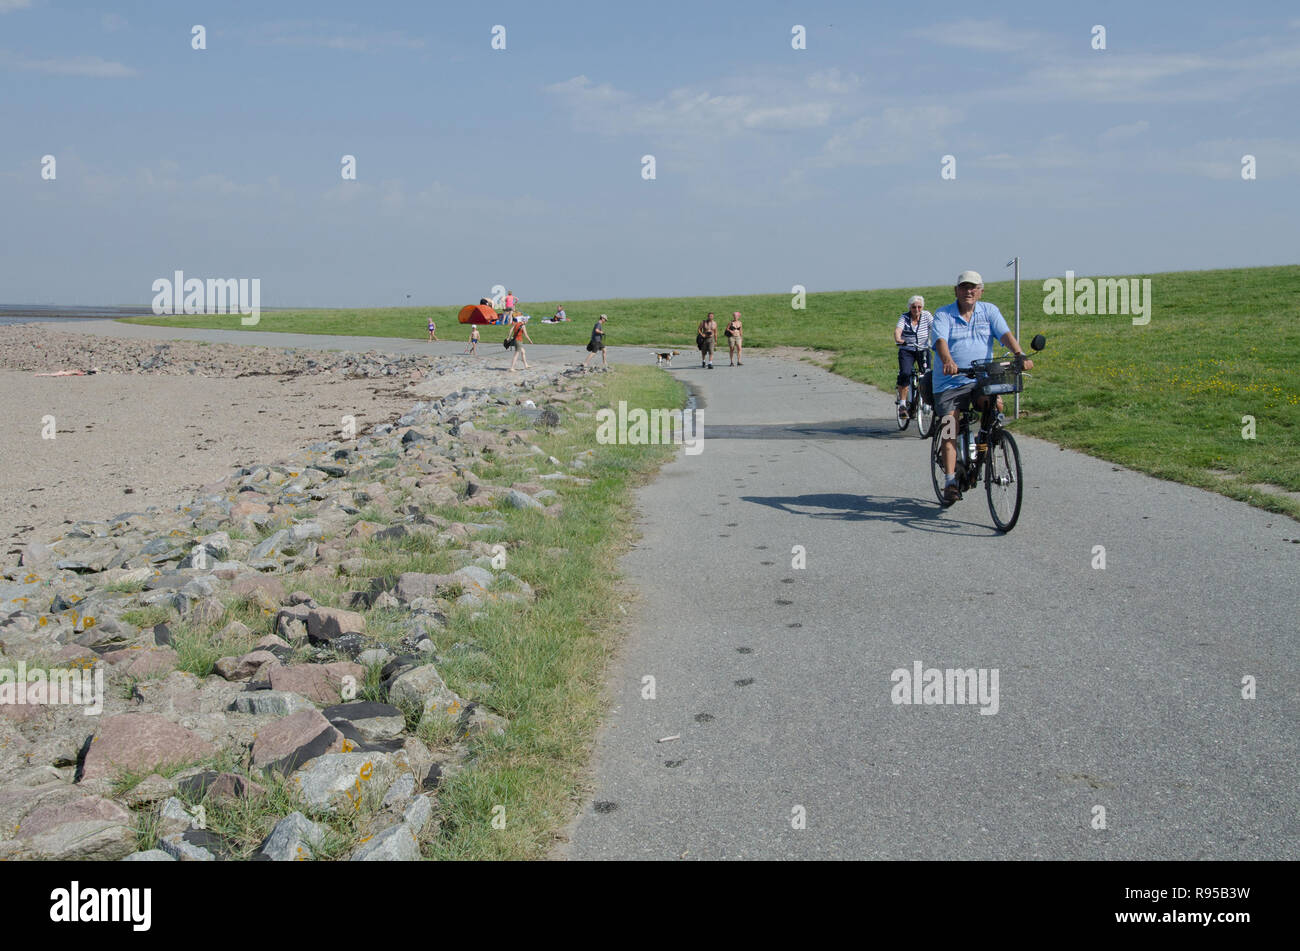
968	341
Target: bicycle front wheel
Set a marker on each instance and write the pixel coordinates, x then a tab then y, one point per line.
936	466
924	417
1002	480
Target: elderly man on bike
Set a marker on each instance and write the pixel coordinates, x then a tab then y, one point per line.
964	331
912	334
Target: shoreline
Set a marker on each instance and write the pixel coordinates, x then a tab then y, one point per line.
124	441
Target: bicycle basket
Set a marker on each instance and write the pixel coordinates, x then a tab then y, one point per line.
999	380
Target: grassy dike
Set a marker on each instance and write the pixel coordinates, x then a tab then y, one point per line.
545	661
1168	397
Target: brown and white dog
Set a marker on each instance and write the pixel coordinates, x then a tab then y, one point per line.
664	358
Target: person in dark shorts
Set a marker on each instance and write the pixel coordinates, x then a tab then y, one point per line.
597	342
518	334
962	332
706	336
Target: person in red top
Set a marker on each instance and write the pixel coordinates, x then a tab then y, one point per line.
518	334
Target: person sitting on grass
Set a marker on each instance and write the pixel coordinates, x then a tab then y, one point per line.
560	314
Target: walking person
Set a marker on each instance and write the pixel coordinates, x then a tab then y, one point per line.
433	330
733	332
473	340
518	334
706	336
508	311
597	342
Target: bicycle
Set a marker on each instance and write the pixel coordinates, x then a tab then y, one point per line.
993	449
918	405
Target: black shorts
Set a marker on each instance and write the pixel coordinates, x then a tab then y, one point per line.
959	397
906	358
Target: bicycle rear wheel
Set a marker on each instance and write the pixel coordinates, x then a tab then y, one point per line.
936	465
1002	480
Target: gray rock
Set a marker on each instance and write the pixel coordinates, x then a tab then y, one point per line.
395	844
150	855
472	575
418	813
401	791
518	499
374	656
279	703
345	782
194	845
412	585
270	546
374	721
294	839
305	530
425	689
174	816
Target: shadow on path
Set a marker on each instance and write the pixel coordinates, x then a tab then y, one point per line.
927	516
831	429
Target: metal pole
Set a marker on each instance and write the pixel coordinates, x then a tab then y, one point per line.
1015	262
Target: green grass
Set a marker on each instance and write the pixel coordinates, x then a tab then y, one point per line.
1167	398
544	662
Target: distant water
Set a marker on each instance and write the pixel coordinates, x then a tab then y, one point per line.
26	313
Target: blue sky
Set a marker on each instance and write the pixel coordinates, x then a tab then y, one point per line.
522	166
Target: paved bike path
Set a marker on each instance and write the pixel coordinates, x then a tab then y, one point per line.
1118	688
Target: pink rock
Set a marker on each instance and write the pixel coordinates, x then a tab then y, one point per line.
71	653
292	740
321	683
242	668
242	509
329	623
139	742
153	663
44	818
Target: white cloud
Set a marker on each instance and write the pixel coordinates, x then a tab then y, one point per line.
92	66
690	114
990	36
331	34
833	82
1130	130
895	135
8	6
1221	158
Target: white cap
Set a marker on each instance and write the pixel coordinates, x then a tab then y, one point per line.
970	277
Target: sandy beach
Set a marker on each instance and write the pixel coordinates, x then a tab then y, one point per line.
161	437
127	438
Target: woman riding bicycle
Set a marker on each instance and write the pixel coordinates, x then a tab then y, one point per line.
912	334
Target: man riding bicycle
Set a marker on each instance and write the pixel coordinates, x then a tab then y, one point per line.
963	332
912	334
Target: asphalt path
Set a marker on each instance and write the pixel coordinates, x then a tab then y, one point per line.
1120	732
